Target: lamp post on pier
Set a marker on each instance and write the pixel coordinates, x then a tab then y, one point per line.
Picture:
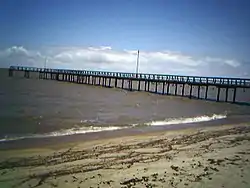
137	64
45	62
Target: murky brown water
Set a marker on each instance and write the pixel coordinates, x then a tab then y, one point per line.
34	107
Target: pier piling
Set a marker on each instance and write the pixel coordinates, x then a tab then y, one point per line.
206	92
145	85
176	88
183	90
234	95
148	85
191	90
163	88
115	82
122	83
226	98
218	94
168	85
199	88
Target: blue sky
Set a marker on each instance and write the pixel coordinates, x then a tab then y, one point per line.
198	28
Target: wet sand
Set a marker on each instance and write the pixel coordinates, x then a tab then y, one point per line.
197	157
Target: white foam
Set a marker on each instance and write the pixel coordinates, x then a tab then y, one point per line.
186	120
64	132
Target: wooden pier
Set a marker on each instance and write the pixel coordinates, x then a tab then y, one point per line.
186	86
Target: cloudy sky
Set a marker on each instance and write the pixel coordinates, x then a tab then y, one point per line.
187	37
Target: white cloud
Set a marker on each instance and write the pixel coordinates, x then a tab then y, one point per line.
233	63
101	48
106	58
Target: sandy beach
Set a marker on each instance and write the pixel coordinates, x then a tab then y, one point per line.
204	157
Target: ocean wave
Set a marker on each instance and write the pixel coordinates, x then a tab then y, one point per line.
91	129
174	121
64	132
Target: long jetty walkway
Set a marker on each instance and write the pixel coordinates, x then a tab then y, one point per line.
187	86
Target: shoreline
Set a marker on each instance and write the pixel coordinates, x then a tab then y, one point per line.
214	156
48	142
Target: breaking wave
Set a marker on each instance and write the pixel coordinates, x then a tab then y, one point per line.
174	121
91	129
64	132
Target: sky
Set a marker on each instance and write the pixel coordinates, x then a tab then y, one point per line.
184	37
